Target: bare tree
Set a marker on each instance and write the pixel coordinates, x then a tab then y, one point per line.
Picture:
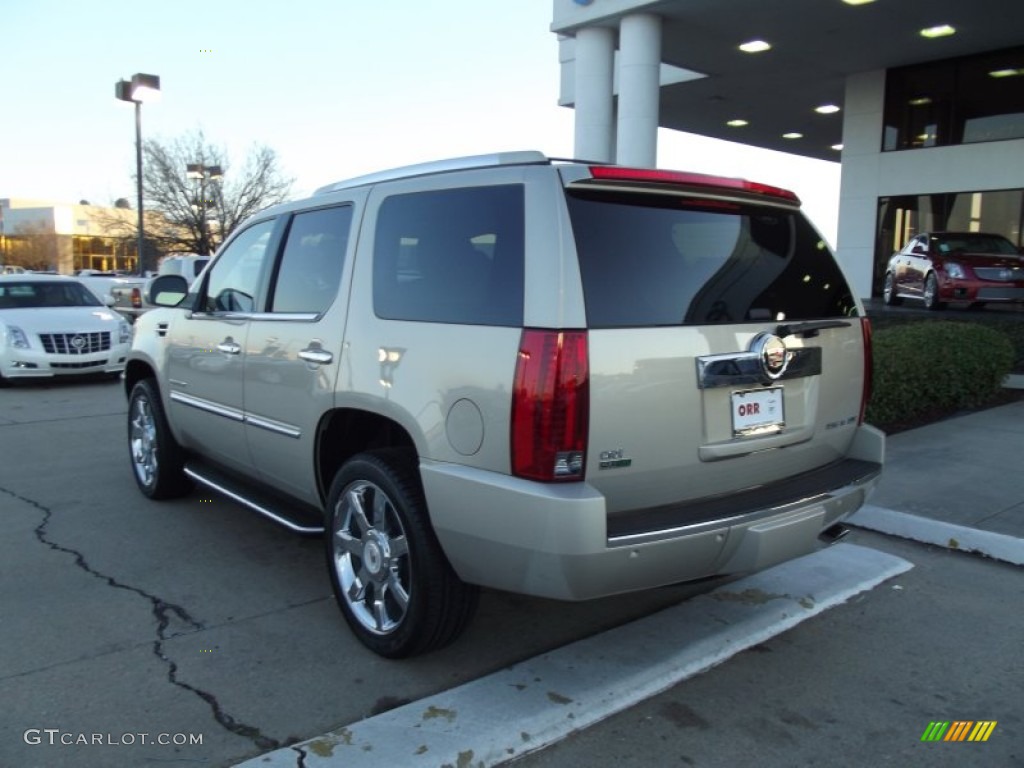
196	214
32	245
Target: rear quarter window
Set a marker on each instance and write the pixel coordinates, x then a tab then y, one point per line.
451	256
661	260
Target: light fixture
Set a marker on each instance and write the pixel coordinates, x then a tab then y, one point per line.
1008	72
837	147
139	89
920	101
755	46
939	30
858	2
792	135
827	109
737	123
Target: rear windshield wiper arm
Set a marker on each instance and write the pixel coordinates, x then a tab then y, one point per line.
809	330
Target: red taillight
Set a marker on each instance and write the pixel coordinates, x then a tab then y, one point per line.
550	406
869	368
136	298
615	172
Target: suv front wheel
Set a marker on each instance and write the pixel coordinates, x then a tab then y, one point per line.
157	459
392	582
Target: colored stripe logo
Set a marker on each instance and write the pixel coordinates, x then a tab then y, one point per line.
959	730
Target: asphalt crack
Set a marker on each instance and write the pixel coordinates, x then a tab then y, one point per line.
164	612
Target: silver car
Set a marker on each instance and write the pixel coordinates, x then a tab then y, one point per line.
560	379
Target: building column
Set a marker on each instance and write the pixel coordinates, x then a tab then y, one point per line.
595	56
639	90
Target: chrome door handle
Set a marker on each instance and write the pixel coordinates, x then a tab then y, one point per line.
316	354
229	347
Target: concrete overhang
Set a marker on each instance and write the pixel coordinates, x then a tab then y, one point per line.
816	44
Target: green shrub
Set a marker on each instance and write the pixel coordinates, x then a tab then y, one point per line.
936	367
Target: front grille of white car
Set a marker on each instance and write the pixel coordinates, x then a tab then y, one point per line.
75	343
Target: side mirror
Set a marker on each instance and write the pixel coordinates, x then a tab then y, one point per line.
167	290
109	300
919	250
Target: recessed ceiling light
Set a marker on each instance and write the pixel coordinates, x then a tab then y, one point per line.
737	123
858	2
837	147
1009	72
792	135
920	101
940	30
826	109
755	46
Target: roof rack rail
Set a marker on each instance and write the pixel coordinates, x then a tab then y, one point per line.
526	157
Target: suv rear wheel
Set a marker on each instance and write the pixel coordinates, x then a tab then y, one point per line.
392	582
157	460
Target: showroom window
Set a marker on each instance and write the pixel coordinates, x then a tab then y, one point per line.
901	217
957	101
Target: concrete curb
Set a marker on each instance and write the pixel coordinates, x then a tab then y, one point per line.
998	546
536	703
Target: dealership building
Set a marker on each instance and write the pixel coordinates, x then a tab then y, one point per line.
922	103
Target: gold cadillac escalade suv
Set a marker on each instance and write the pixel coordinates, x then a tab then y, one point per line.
556	378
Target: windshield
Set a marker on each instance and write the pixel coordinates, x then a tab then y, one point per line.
28	294
971	242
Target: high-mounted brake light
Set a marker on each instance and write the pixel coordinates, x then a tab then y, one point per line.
618	173
869	368
550	406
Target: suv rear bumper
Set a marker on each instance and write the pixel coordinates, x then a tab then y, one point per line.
553	540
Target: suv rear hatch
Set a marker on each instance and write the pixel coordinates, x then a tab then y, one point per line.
729	363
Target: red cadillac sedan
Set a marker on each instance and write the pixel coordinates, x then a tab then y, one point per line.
941	267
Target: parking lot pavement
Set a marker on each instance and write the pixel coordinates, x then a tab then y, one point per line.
855	686
551	696
194	618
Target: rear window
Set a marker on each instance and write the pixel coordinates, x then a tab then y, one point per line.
451	256
660	260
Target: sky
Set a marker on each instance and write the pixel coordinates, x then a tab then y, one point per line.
337	89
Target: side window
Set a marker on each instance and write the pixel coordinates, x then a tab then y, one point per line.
235	278
314	253
451	256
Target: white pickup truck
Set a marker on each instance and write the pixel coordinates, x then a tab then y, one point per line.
130	299
108	286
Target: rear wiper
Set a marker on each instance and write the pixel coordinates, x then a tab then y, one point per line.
809	330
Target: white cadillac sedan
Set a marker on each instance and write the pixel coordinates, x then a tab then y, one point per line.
51	325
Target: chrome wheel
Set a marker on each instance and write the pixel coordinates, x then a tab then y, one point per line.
157	459
889	290
370	554
931	293
393	584
143	441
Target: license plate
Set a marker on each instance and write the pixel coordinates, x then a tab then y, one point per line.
757	411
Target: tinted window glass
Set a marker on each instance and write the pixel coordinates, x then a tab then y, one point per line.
451	256
235	277
310	268
654	260
46	294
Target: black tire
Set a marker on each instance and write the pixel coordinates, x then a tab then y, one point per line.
157	459
889	291
391	579
931	292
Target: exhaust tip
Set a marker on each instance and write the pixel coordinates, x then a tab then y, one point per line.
834	533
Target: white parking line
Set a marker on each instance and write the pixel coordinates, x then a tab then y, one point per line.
538	702
999	546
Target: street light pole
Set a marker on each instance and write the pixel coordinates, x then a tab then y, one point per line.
203	174
140	88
